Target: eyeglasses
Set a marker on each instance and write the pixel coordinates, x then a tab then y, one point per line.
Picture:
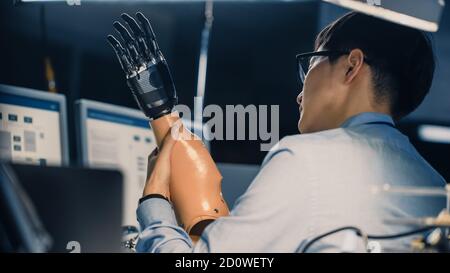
307	60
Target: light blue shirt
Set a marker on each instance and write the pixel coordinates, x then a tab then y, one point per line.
310	184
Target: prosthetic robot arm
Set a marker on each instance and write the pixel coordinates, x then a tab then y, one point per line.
195	186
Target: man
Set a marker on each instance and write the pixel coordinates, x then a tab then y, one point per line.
365	74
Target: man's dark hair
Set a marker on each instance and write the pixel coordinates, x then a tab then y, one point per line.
401	58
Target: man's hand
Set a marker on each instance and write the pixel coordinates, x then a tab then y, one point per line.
145	67
158	169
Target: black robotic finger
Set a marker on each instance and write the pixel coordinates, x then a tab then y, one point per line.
139	37
121	55
150	35
129	44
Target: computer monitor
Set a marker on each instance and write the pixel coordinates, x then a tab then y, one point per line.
116	137
70	209
33	126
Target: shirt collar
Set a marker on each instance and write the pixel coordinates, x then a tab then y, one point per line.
368	117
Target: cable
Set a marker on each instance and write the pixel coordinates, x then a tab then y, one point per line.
399	235
366	237
310	243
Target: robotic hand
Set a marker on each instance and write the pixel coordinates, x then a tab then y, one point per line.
195	185
146	70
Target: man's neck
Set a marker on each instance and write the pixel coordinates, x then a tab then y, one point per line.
358	107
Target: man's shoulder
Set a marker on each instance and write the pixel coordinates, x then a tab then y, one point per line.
299	144
329	137
333	145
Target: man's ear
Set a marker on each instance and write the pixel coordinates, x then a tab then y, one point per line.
353	64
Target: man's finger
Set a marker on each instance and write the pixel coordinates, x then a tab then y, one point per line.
167	145
154	153
153	156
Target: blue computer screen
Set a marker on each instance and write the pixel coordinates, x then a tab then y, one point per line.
30	127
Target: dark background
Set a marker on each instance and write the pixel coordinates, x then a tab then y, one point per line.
251	59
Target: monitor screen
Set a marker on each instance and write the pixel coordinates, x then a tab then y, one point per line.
119	138
32	126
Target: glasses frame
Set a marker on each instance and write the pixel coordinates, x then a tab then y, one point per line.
301	74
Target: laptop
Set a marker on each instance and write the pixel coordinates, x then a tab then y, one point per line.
80	209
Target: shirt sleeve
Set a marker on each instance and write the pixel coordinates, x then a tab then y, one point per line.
254	224
159	229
